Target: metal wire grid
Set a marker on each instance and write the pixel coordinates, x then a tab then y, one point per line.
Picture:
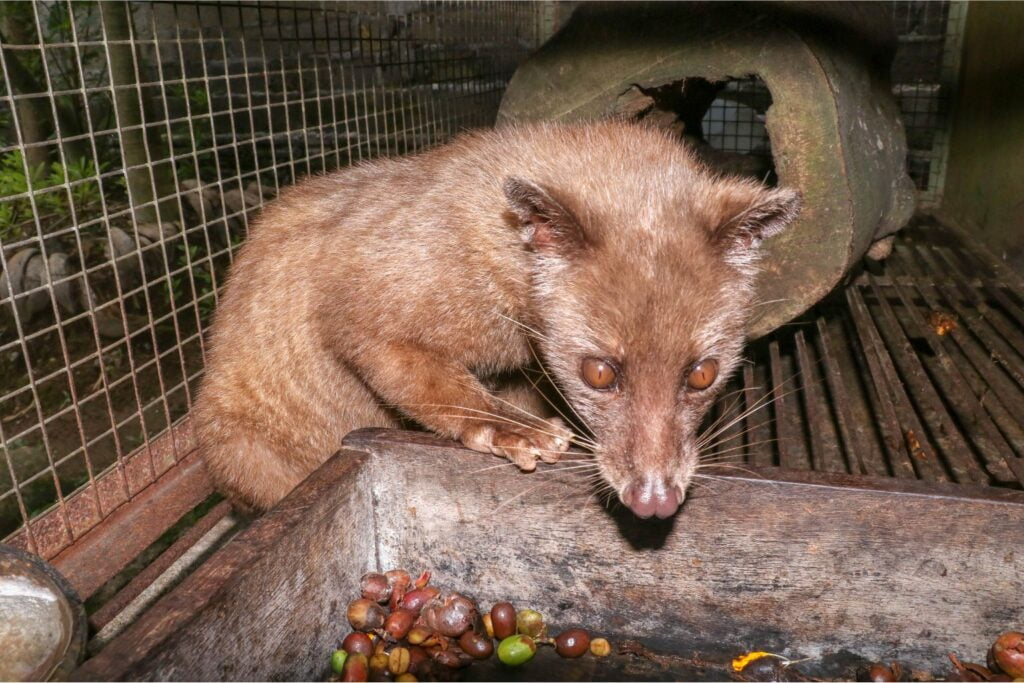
735	120
162	127
924	76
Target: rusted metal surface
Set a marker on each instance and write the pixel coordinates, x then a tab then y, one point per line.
53	531
153	570
107	548
835	129
798	562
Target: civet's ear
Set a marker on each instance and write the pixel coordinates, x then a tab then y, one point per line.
548	226
747	222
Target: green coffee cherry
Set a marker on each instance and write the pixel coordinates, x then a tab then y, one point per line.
516	650
338	661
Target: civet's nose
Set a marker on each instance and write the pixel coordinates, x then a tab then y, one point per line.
652	497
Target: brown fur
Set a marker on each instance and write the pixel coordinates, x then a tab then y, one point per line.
393	287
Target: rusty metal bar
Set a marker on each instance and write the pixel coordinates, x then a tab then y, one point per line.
1013	337
852	450
732	447
728	442
993	348
1003	354
999	288
863	451
919	441
218	100
1015	311
1007	276
47	530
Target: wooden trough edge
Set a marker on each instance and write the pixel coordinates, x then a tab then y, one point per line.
132	653
369	440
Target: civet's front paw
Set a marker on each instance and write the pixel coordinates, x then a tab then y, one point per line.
520	444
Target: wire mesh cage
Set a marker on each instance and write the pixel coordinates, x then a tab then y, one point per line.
139	138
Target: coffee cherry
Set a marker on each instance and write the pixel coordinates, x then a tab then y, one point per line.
476	645
398	624
418	635
450	614
503	620
357	668
338	661
599	647
516	650
406	678
365	615
378	662
531	623
414	600
375	587
417	656
447	658
488	624
398	577
880	673
572	643
423	580
1008	653
357	643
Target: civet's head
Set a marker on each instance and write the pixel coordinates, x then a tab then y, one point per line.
643	280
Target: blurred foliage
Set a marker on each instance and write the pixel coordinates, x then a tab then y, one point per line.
76	193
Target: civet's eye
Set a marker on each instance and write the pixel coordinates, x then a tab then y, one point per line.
702	374
598	373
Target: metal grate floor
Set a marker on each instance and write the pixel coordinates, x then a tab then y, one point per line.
914	370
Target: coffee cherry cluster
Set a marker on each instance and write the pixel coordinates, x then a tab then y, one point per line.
405	630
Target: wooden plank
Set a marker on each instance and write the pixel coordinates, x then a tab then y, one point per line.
154	569
792	452
266	605
917	383
757	423
117	540
895	407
